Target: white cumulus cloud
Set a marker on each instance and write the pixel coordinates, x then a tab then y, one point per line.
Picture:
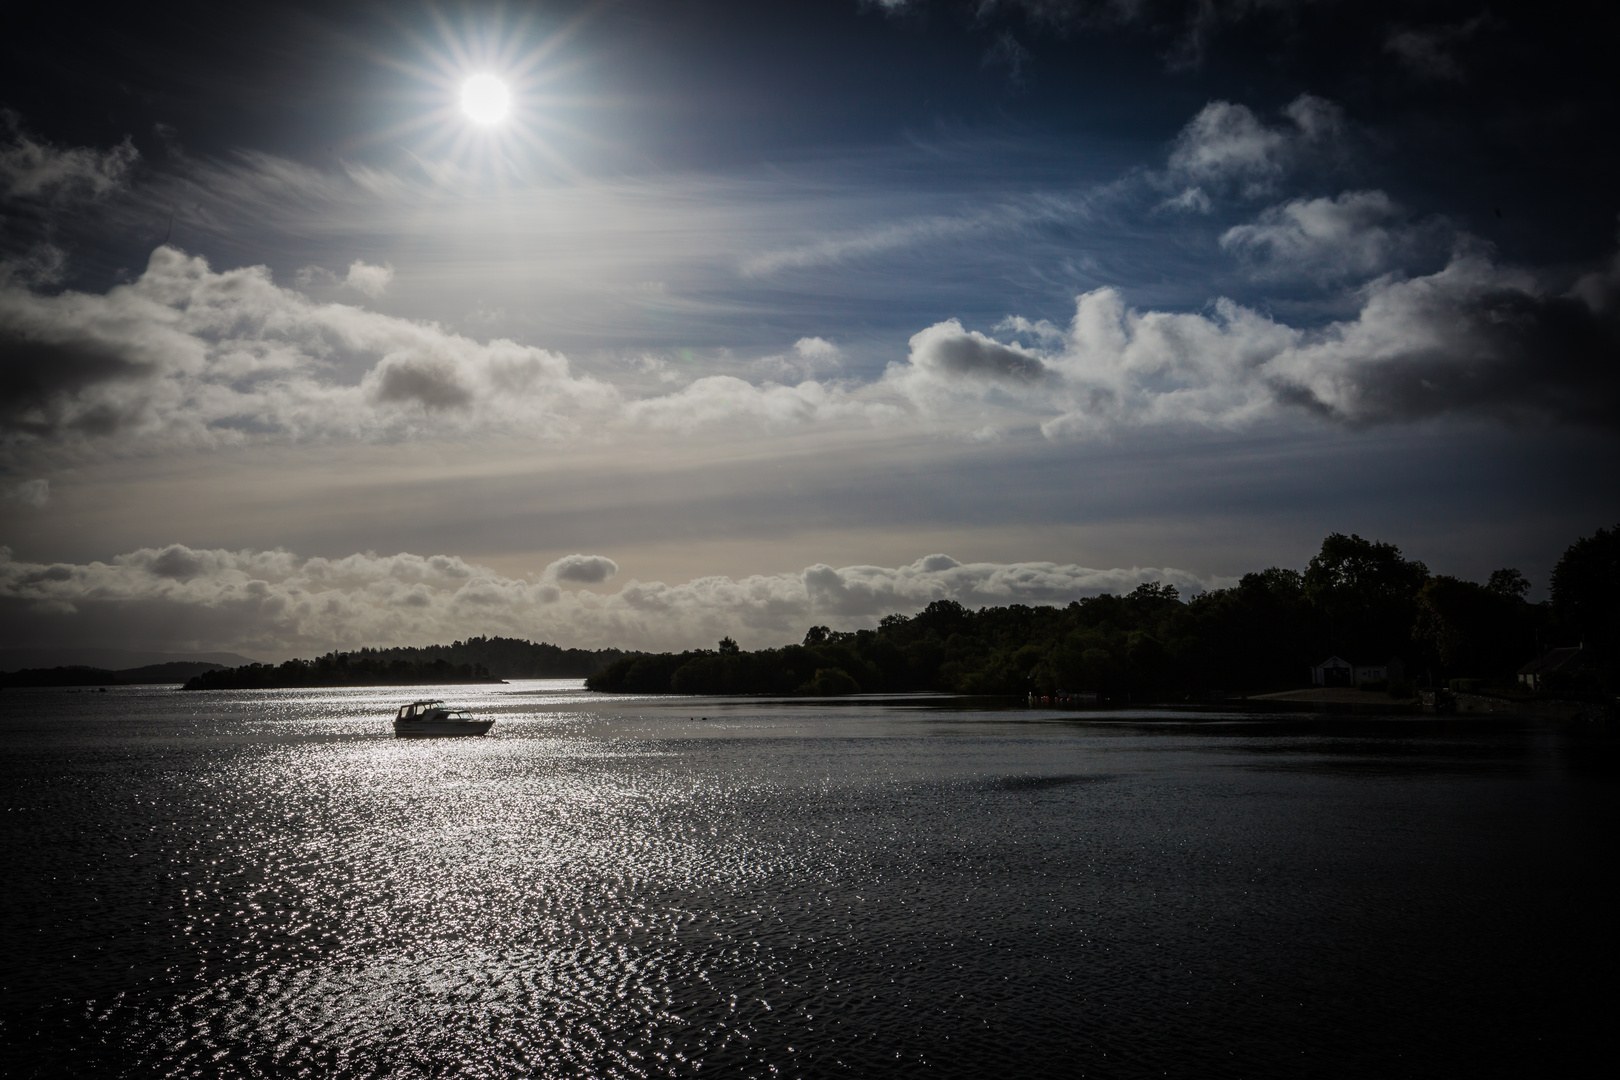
1357	233
370	280
1227	145
192	355
1473	337
587	569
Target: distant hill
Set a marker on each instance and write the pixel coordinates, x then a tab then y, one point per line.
480	659
117	660
175	671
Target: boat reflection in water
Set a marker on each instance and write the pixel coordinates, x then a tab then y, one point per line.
431	720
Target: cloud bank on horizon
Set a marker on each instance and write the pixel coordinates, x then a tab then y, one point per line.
275	604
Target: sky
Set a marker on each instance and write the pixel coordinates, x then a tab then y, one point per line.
729	318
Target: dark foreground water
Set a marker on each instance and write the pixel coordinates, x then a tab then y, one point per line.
268	884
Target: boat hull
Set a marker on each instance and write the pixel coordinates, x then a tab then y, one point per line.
440	729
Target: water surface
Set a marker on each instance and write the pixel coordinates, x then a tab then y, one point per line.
266	883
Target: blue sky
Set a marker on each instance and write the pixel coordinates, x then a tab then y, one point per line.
779	314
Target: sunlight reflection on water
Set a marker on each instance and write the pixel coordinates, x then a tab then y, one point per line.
267	883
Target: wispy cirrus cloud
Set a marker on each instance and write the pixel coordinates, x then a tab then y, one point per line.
932	229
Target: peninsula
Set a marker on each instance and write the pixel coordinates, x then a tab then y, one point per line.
475	660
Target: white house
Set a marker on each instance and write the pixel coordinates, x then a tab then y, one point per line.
1334	671
1337	671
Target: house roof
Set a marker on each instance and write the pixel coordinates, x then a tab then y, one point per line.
1551	660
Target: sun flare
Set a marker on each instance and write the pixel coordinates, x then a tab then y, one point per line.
485	100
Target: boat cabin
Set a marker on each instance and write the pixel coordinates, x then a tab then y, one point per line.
419	710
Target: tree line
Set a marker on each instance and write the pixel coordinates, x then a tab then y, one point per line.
1359	599
475	660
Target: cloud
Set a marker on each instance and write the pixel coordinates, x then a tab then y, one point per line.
1472	338
1190	24
41	264
880	239
1356	234
431	382
275	603
1227	146
818	350
811	357
371	280
189	356
185	354
1430	52
586	569
30	169
946	350
1193	200
35	493
872	591
958	375
725	399
1006	52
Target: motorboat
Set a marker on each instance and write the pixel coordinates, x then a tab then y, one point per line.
431	720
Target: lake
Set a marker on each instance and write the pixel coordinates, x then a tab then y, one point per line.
267	883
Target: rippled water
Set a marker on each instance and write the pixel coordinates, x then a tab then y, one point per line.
269	884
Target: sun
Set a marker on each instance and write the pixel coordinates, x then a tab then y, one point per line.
492	97
485	100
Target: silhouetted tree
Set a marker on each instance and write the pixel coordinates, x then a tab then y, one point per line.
1586	601
1367	592
1508	582
1473	630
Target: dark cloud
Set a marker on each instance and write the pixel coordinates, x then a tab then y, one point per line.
950	350
587	569
432	385
1514	355
1431	52
178	562
1473	338
1187	26
40	382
